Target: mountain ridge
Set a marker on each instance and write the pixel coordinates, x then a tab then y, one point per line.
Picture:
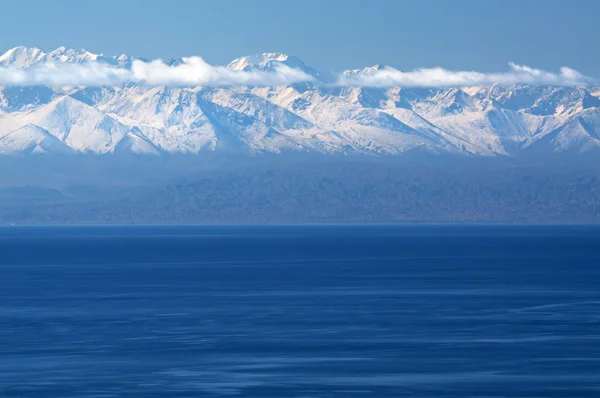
311	117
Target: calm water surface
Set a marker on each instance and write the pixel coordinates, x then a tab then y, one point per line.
300	312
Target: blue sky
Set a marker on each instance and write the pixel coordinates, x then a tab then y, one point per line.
328	34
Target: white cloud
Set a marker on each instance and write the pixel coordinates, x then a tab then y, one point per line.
194	71
439	77
63	74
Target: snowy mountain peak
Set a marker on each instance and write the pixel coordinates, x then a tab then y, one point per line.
269	62
25	57
31	139
369	70
62	54
257	61
21	56
59	50
277	56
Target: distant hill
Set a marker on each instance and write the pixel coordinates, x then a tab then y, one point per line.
344	192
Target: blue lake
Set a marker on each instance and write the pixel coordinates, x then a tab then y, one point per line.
312	311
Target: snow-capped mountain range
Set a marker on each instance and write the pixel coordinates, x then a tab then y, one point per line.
309	117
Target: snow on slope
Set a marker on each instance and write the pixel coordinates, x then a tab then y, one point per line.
306	117
82	127
15	98
581	133
21	56
31	139
136	142
269	62
261	62
169	117
362	129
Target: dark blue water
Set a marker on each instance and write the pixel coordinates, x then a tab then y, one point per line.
300	312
